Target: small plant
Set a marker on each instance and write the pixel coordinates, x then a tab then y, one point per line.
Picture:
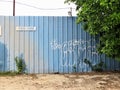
97	67
20	65
74	68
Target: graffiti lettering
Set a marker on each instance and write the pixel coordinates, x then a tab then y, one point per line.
78	49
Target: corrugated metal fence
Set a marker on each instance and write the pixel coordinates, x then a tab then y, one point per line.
48	45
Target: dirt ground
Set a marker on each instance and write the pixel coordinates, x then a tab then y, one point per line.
81	81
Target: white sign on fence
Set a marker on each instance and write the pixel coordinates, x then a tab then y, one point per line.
28	28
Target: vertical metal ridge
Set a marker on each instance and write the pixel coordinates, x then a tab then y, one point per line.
53	39
9	59
19	38
57	30
67	48
110	63
58	42
114	63
86	69
34	46
48	44
29	45
38	45
62	42
106	62
14	43
5	61
58	39
72	45
99	56
119	65
37	33
24	39
91	50
4	46
43	45
79	59
77	47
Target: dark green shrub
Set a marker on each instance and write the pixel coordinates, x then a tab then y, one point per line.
74	68
97	67
20	65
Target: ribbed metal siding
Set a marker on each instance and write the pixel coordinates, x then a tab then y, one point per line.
36	49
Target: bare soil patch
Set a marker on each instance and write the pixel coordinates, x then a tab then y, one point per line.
80	81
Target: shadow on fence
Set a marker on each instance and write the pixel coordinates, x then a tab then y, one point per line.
3	57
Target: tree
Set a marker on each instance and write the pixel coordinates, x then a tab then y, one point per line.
101	17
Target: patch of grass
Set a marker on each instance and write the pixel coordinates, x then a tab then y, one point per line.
9	73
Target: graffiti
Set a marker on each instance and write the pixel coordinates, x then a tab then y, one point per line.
78	49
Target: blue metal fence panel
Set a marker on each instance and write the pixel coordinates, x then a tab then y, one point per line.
57	45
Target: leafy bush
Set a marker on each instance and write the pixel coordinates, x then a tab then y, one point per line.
97	67
101	17
20	65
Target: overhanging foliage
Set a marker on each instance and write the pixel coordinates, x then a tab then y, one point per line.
101	17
